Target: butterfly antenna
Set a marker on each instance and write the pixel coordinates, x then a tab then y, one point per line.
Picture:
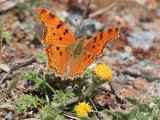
77	26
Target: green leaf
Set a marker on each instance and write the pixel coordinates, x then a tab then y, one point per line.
115	114
6	35
88	73
144	107
107	112
134	101
25	100
42	56
132	114
142	116
49	113
156	99
13	84
62	97
119	114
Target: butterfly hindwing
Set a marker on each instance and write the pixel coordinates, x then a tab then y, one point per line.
78	64
58	58
56	32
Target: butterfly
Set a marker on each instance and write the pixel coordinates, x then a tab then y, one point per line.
68	57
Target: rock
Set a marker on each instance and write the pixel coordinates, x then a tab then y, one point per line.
128	49
72	18
8	4
132	60
124	55
123	79
107	60
121	57
89	26
146	62
141	39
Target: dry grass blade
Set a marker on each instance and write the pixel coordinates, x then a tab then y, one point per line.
103	9
83	16
0	42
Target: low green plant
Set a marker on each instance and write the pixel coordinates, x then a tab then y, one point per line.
140	111
61	97
24	101
41	56
39	80
26	5
6	35
58	93
49	113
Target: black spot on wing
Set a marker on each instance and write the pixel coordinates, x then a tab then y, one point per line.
60	38
43	11
66	31
58	48
51	15
59	25
54	34
89	56
110	30
95	39
93	46
116	29
101	36
60	53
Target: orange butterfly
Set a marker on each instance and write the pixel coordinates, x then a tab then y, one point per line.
67	56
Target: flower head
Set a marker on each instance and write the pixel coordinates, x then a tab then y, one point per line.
83	109
102	71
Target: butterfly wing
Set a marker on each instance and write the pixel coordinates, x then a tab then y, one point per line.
94	48
78	64
58	59
97	43
59	38
56	32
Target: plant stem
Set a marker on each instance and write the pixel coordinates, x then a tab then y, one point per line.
50	87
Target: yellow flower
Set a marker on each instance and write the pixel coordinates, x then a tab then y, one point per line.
102	71
83	109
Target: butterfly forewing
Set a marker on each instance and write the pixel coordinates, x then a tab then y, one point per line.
97	43
56	32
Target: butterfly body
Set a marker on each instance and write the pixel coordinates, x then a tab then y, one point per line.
79	46
67	56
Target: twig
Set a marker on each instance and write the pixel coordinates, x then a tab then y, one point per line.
119	99
0	41
70	116
103	9
83	16
17	66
